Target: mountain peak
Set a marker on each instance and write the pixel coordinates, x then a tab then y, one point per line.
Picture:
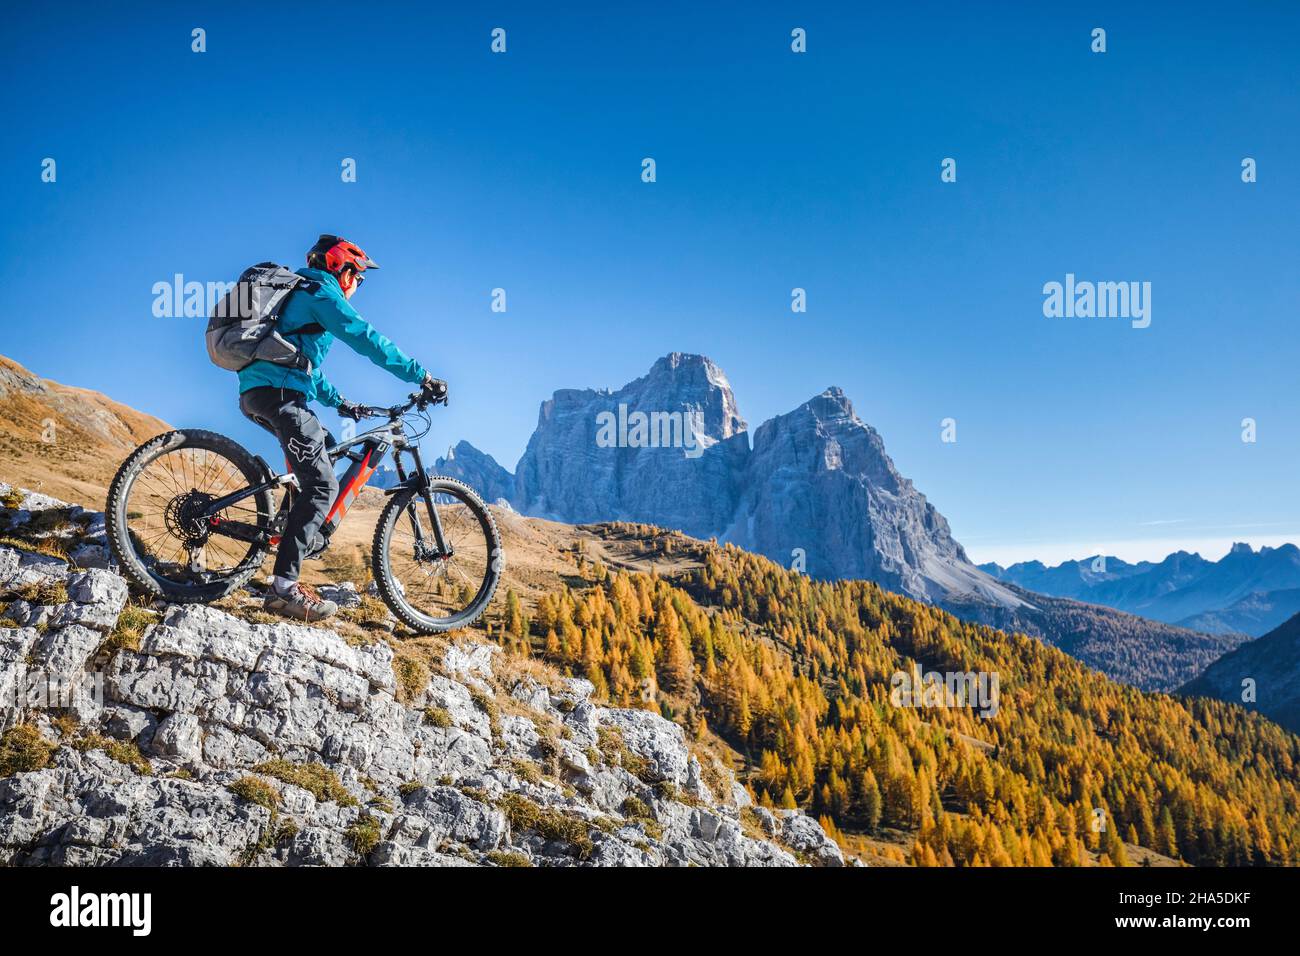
676	360
832	404
671	449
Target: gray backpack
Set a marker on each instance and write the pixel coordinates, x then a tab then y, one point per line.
242	327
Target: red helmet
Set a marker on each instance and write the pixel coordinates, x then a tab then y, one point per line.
334	253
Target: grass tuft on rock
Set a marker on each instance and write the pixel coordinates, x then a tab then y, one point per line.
23	749
412	678
128	630
123	751
484	702
437	717
548	823
638	810
615	751
364	834
50	547
371	612
47	593
322	782
508	858
256	791
526	770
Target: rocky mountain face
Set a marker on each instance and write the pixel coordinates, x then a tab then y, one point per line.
670	447
188	735
1246	591
1263	675
819	480
477	469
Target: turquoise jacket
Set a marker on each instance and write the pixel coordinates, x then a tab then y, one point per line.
327	308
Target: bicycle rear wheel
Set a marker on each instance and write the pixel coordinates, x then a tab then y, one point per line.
431	592
156	516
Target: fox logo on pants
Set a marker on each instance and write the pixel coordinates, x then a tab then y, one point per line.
304	451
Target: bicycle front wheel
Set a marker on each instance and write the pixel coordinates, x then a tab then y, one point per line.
430	590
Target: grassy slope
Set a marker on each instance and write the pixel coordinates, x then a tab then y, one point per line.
63	441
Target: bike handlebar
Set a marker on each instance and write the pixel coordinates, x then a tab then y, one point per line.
416	399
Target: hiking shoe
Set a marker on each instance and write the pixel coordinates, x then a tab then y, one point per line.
301	602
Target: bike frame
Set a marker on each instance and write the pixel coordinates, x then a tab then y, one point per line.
370	448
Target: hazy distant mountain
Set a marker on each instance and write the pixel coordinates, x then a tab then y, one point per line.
1246	591
1272	665
477	469
1256	613
1136	650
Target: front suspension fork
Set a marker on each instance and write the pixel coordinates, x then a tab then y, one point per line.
435	522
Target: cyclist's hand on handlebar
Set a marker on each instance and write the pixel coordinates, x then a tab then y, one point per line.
433	390
352	410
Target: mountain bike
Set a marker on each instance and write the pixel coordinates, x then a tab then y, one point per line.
191	516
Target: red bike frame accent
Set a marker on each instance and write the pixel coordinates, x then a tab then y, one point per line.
354	479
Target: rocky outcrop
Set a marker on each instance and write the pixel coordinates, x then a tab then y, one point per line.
203	739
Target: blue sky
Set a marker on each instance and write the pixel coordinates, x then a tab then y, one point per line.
775	170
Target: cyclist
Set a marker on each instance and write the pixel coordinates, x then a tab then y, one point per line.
275	397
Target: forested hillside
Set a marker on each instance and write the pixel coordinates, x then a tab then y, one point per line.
795	675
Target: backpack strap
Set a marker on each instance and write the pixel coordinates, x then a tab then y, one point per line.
310	286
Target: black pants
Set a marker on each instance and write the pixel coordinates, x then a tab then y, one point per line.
284	413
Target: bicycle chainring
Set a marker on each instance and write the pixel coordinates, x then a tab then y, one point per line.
186	518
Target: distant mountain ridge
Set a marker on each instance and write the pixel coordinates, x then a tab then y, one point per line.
1246	591
463	461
